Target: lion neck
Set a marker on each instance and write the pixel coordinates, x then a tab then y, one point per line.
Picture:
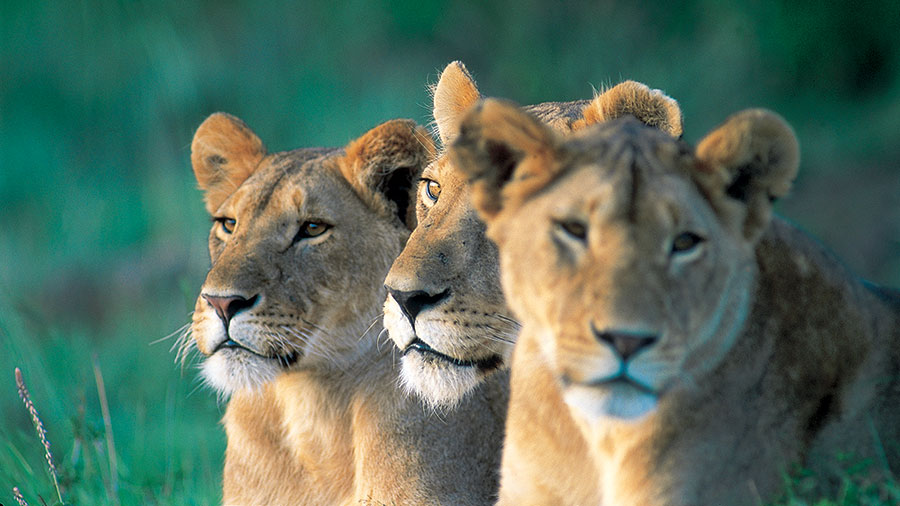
813	306
293	441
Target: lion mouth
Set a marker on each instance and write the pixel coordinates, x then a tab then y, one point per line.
620	379
623	380
485	364
285	360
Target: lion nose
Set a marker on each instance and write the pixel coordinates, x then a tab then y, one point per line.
228	306
626	344
411	303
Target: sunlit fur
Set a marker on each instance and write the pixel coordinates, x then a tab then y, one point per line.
315	415
449	251
766	351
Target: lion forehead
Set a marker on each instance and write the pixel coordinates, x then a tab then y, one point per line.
627	192
290	179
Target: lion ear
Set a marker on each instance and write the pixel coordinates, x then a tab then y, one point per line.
383	166
224	153
747	163
505	152
454	93
651	107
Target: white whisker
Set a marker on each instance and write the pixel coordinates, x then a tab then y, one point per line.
374	321
381	334
507	320
177	331
500	336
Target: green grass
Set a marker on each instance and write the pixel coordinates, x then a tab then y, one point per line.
861	483
168	444
103	234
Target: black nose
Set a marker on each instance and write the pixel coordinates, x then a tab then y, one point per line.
411	303
228	306
626	344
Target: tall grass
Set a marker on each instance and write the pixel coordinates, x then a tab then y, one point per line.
41	432
168	446
860	483
103	234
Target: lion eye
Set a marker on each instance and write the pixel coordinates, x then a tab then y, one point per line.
432	189
574	228
227	224
686	242
311	229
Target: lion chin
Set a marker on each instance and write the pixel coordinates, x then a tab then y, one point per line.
436	378
228	371
439	383
619	399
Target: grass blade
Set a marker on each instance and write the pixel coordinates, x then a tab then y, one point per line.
42	434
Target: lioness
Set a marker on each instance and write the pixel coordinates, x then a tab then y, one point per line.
288	321
445	311
700	345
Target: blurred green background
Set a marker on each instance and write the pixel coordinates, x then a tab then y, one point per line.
103	234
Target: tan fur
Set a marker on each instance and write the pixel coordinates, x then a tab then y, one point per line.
454	92
701	347
652	107
220	164
315	414
449	253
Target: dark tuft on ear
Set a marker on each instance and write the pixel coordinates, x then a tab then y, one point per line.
503	158
739	189
752	159
384	164
499	144
399	187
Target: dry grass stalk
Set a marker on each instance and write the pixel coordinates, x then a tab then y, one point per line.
18	495
39	427
107	423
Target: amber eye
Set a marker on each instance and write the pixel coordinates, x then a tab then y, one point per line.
227	224
686	242
574	228
432	189
311	229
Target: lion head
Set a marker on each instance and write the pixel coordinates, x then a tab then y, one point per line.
627	254
445	310
300	243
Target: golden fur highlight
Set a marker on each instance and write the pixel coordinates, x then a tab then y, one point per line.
454	92
221	164
652	107
681	326
462	332
288	321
